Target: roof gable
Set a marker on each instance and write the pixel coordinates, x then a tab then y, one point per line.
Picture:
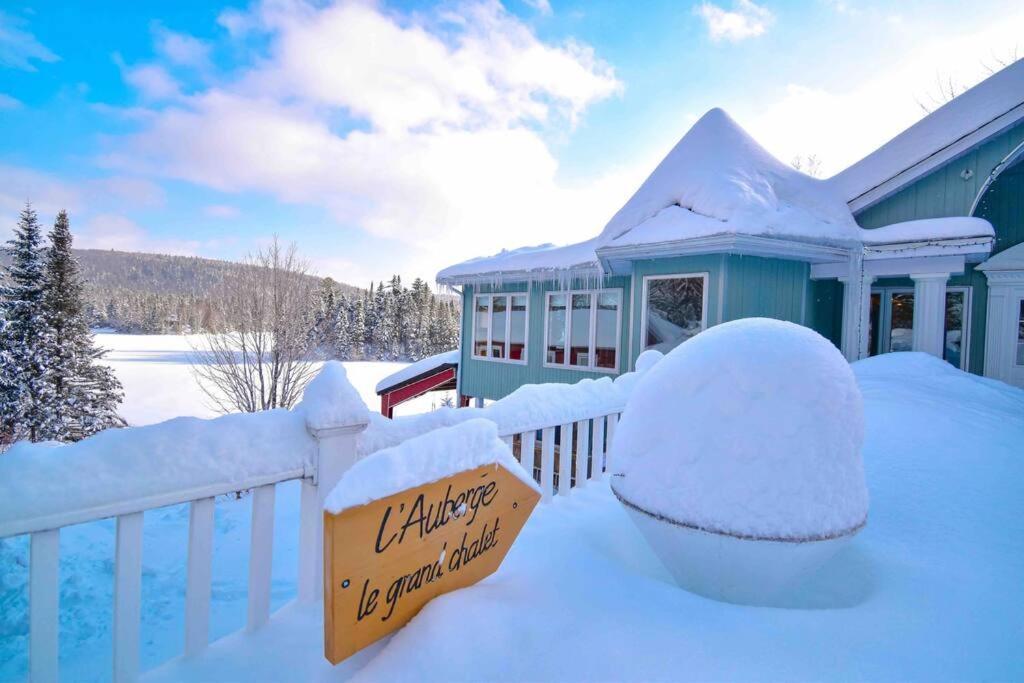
953	129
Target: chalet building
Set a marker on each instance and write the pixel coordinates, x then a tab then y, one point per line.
918	246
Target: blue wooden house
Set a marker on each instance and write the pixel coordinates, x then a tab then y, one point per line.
918	246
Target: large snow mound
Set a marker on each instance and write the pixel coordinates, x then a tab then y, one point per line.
753	428
424	459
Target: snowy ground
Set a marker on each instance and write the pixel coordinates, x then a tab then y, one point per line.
158	385
931	590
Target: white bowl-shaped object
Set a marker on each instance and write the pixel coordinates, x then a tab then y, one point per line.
732	568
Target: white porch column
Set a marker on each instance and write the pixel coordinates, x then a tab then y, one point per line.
930	312
856	312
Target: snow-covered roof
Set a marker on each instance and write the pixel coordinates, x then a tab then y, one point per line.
716	182
719	180
526	262
422	367
929	230
989	107
1009	259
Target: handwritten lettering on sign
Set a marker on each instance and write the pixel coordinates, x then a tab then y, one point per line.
385	560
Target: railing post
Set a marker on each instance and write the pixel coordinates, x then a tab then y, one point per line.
336	452
43	603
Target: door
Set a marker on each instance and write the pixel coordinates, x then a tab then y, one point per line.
1004	338
892	322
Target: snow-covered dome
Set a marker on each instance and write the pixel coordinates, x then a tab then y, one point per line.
718	172
644	362
754	429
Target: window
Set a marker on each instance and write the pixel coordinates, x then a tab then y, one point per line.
892	322
500	327
1020	335
901	331
675	307
583	329
953	335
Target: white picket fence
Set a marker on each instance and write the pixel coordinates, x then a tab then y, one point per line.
582	453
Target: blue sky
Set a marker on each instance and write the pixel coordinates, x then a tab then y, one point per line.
388	137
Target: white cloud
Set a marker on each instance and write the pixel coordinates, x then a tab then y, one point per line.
114	231
845	121
745	20
8	102
152	81
221	211
182	49
452	160
50	194
542	6
19	48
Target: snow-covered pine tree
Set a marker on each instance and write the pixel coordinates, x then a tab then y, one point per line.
87	392
29	408
357	331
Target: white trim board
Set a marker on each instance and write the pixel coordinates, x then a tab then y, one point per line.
616	259
953	265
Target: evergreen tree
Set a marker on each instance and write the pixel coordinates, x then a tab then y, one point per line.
29	406
87	393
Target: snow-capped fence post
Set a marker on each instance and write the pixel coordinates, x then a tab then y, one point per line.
335	416
336	452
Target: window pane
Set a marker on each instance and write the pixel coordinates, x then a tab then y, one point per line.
517	333
606	337
579	341
901	338
952	350
481	326
498	320
1020	335
556	329
874	324
675	308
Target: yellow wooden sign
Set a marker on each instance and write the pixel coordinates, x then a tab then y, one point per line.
383	561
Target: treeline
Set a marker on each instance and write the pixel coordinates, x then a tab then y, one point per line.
139	293
386	322
52	383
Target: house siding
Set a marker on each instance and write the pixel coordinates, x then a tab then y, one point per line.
945	192
738	287
493	380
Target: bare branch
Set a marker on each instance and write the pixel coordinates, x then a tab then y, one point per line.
258	355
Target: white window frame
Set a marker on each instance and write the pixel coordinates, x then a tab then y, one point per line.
705	276
1016	333
885	320
592	342
508	328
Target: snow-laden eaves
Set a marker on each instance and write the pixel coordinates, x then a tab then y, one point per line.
421	368
1010	259
953	129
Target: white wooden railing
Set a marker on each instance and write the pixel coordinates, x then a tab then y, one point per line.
335	452
582	456
582	447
